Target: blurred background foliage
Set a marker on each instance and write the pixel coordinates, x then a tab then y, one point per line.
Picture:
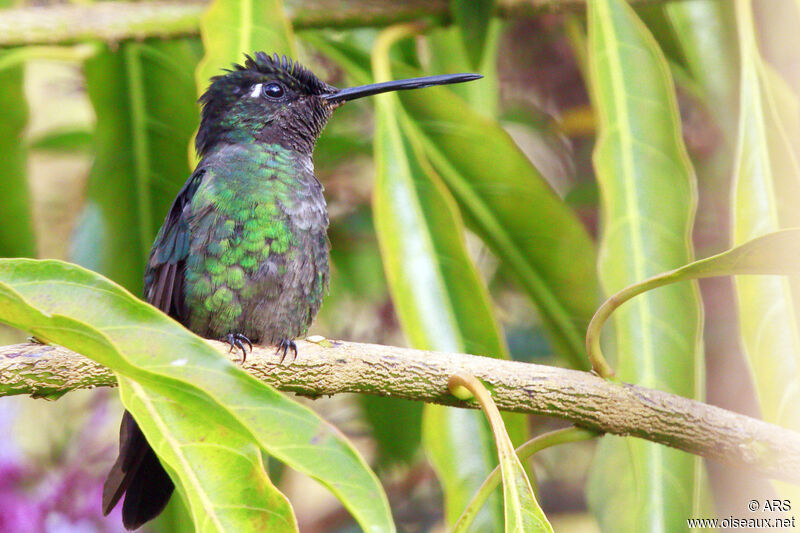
463	219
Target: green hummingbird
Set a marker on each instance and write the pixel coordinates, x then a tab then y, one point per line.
243	252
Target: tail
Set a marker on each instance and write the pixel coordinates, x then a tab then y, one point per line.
139	475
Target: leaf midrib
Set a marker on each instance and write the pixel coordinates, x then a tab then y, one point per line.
197	487
619	94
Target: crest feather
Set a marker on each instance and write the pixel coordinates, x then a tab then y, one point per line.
290	72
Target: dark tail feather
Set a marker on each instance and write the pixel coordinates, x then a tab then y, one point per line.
139	475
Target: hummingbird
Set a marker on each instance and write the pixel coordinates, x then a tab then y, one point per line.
243	253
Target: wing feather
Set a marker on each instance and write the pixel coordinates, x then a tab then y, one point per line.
137	472
164	274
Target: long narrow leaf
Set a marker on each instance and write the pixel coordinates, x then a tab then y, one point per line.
170	117
16	224
144	98
107	238
560	436
441	301
765	168
448	55
473	18
648	200
702	30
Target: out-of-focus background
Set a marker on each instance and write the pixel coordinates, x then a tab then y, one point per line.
95	142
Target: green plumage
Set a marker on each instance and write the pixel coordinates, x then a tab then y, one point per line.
243	252
257	244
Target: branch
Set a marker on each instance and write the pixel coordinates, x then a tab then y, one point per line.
116	21
333	367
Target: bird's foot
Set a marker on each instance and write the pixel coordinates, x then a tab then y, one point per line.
237	340
284	346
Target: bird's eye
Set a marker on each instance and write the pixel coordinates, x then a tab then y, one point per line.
273	90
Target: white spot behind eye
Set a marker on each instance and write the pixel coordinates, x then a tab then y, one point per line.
256	92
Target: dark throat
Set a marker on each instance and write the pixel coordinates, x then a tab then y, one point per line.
296	128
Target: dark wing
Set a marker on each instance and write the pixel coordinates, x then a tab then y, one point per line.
137	473
163	279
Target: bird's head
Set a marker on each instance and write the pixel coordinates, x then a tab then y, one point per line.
267	99
273	99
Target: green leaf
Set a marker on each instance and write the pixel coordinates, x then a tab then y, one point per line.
448	54
514	210
232	28
648	199
395	424
144	97
473	18
216	461
200	451
505	199
83	311
71	140
654	17
175	517
536	444
107	238
702	30
765	199
521	510
170	118
396	427
16	223
460	448
440	300
434	284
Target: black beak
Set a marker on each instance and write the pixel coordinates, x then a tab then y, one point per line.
351	93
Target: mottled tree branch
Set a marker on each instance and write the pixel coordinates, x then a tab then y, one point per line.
116	21
332	367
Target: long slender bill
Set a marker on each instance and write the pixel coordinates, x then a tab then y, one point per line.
351	93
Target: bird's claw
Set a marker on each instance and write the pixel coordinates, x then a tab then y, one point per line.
237	340
284	346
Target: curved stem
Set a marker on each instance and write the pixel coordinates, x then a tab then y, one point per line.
536	444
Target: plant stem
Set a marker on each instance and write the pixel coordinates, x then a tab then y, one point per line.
116	21
583	398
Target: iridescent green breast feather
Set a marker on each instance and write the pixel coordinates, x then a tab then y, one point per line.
244	242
